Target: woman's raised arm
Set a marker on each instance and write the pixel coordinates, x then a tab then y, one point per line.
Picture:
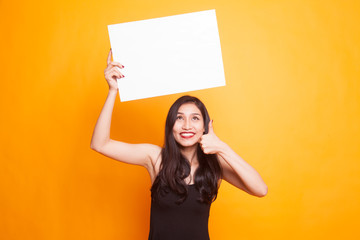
139	154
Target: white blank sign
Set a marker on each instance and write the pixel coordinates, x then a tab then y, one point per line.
168	55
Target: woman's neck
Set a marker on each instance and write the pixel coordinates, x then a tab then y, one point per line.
190	153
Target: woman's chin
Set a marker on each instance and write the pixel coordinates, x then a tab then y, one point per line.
187	144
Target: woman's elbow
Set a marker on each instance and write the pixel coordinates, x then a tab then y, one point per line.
95	147
259	192
263	192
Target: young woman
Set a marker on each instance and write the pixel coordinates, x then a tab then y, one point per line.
186	172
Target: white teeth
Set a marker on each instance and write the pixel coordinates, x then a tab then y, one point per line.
187	134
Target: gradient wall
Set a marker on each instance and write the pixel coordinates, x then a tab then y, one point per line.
291	108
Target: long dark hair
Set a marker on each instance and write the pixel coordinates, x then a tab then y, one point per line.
175	167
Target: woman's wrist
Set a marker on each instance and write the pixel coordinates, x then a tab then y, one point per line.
223	149
113	91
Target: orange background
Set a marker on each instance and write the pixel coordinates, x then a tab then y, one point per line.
291	108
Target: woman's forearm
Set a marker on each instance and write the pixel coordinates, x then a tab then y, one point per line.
101	132
249	176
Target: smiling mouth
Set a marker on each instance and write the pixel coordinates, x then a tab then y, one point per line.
187	134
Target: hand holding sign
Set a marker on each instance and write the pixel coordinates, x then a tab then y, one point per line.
112	72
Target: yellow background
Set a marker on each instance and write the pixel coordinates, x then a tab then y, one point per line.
291	108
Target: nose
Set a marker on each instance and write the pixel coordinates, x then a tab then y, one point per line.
186	124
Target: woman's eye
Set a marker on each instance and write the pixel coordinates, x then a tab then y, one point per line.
179	117
195	118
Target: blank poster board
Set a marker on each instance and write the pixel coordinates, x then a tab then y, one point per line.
168	55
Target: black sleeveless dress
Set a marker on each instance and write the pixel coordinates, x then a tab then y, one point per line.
185	221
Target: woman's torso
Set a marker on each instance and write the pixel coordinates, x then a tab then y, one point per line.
172	221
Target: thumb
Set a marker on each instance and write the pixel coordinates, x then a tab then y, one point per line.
211	129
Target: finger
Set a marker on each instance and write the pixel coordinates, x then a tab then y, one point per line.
117	64
206	151
112	65
109	57
211	129
114	69
112	74
116	72
112	77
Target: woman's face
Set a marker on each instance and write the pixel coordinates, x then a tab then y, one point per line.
189	125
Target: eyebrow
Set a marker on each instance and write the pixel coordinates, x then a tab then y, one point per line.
191	113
